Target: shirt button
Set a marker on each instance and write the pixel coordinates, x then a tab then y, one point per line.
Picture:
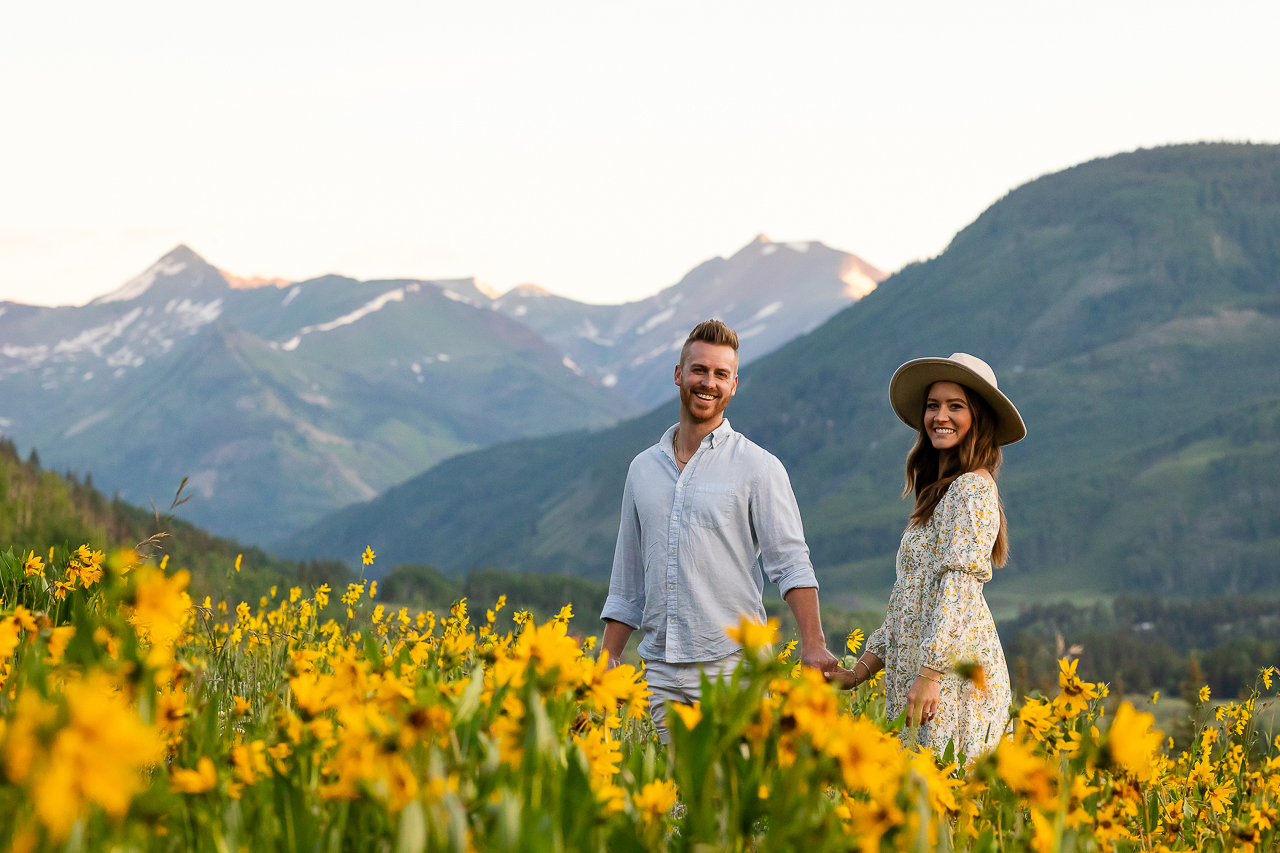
674	516
673	552
671	586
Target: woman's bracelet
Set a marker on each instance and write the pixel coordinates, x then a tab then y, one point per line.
855	670
930	677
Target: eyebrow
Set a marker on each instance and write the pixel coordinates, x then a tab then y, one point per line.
933	399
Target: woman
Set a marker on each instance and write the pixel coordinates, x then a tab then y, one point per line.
937	616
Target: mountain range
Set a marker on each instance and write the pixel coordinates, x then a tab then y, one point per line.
280	402
1130	306
769	291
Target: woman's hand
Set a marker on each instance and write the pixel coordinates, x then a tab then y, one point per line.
922	698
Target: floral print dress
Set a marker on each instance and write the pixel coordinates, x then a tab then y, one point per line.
938	617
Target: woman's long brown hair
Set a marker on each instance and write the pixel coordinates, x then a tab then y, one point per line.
929	474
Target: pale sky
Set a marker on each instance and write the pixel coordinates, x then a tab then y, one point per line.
600	150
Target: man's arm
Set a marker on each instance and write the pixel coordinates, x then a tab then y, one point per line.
803	602
616	635
624	608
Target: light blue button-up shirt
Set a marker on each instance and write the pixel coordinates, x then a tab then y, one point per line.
692	544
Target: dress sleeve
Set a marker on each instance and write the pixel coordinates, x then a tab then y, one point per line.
967	524
878	642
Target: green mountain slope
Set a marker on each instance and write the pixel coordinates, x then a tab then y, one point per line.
41	509
1130	306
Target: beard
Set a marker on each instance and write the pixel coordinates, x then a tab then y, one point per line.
701	414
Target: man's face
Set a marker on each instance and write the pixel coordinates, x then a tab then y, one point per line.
707	379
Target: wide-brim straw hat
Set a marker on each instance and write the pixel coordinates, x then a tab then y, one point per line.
910	385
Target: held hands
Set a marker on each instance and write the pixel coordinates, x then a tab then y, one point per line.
842	678
922	698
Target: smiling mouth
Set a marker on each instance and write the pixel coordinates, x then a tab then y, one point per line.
702	396
944	431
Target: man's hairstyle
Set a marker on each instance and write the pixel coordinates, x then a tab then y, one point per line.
710	332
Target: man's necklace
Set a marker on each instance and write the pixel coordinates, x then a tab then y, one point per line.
675	449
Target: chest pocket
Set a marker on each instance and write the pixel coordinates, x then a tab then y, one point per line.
714	504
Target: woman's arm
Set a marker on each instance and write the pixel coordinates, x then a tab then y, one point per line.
863	671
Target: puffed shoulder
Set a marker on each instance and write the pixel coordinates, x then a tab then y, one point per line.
967	490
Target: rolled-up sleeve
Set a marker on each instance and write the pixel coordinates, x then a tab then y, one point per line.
775	518
626	583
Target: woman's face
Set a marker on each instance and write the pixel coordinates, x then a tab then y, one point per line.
947	416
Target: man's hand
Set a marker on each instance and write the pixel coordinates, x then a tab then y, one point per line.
820	658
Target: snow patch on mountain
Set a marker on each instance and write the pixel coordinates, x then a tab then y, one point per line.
81	426
138	286
766	311
656	319
365	310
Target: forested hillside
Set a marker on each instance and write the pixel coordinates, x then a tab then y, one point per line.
42	509
1130	306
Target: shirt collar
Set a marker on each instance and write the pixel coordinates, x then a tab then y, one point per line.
717	435
720	433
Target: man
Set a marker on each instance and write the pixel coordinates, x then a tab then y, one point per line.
703	511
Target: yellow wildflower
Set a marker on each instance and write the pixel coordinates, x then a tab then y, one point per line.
1026	773
1220	796
197	781
33	565
59	638
1044	835
160	609
656	798
368	556
95	758
1037	716
690	715
753	636
9	638
250	761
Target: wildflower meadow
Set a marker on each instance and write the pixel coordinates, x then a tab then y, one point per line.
134	718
